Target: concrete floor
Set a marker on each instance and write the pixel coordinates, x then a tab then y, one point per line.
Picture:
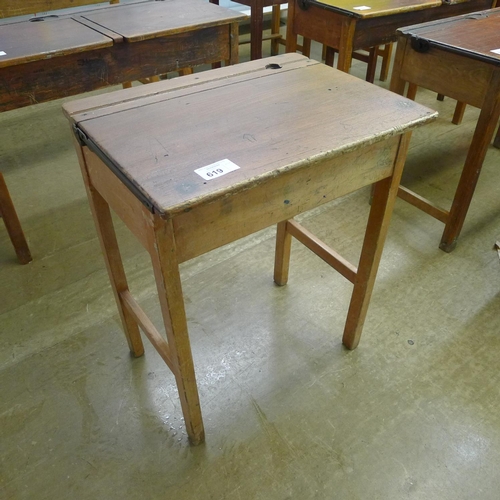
289	413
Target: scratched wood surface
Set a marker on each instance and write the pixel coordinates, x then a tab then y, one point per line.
26	42
161	158
476	34
155	19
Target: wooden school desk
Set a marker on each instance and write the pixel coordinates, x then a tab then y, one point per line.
188	182
460	58
72	54
349	25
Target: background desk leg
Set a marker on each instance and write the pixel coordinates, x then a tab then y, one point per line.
168	282
384	197
12	224
485	128
345	45
256	26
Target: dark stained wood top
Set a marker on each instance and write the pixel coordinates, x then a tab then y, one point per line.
476	35
27	41
365	9
137	22
266	121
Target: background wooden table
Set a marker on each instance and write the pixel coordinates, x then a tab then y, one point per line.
70	55
347	25
460	58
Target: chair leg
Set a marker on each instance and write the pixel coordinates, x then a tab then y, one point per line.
14	229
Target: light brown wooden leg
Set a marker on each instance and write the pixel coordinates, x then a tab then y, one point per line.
384	196
112	258
483	134
12	224
346	45
282	255
168	282
459	113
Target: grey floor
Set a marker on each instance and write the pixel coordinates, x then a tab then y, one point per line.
289	413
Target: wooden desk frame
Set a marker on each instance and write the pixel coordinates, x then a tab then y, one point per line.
174	237
473	82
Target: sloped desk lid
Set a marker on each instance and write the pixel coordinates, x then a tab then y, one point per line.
135	22
476	35
26	41
265	120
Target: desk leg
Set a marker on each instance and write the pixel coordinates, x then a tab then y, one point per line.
384	197
109	246
485	128
168	282
282	254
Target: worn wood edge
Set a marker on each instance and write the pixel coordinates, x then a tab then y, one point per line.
86	105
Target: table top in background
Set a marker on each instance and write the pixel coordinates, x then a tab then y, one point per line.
137	22
476	35
375	8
